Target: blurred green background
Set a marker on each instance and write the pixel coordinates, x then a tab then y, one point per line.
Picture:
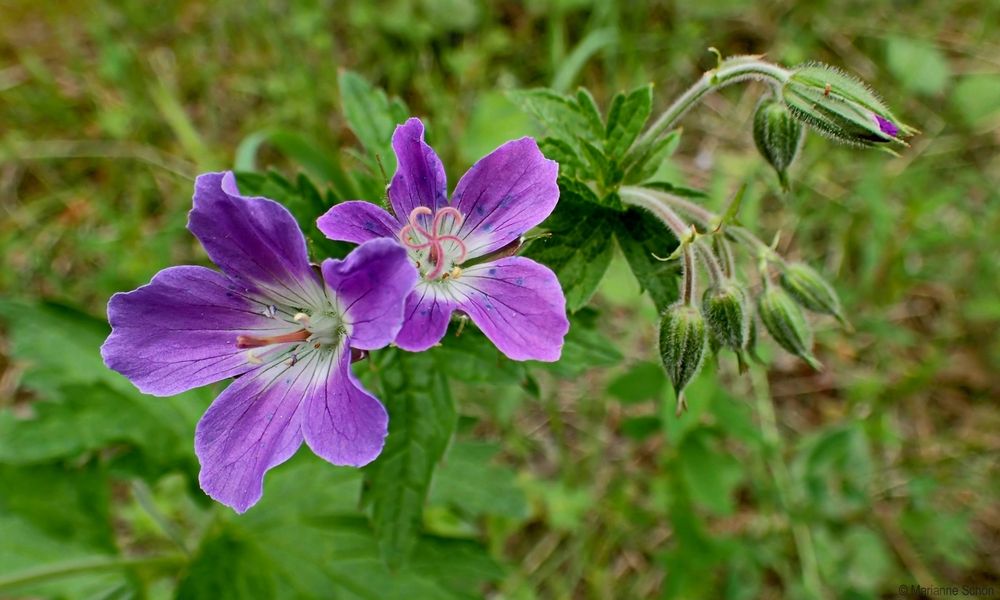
878	472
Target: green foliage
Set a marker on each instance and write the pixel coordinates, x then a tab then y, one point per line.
416	394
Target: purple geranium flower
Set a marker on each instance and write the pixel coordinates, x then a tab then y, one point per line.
286	326
515	301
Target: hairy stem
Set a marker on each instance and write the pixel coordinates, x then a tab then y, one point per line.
688	277
732	70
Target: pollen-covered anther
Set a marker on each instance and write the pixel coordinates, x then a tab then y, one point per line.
246	341
414	236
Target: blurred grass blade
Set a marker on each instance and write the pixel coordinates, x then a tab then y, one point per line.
320	163
591	44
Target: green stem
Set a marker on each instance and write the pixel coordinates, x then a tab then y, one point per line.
730	71
87	565
783	482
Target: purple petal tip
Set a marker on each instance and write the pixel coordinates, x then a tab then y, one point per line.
887	126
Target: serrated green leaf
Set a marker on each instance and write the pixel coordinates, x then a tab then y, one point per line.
471	482
578	248
644	160
626	117
561	116
422	419
371	116
588	106
570	162
641	236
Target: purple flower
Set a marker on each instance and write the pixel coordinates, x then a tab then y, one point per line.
287	327
515	301
886	126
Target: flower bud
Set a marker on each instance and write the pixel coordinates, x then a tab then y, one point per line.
785	322
726	316
778	136
841	107
811	291
683	339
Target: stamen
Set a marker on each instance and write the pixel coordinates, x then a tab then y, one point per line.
435	238
246	341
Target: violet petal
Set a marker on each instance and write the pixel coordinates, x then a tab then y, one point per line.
420	179
179	331
343	423
253	240
357	222
519	305
504	194
254	425
371	286
428	310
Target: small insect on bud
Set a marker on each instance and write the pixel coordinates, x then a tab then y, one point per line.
811	291
787	325
841	107
683	339
778	136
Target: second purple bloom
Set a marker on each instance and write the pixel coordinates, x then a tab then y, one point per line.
516	302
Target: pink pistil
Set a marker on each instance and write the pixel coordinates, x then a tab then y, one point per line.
434	238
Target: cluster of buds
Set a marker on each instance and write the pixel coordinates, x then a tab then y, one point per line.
724	316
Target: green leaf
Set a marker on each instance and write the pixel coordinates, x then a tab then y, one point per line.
228	567
562	117
579	247
64	502
677	190
588	107
321	163
918	65
471	482
640	236
710	472
644	160
371	116
570	162
644	381
91	417
422	420
307	539
977	98
626	117
585	347
472	358
641	427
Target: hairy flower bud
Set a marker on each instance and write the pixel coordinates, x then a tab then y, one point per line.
785	322
841	107
726	316
778	136
810	290
683	339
